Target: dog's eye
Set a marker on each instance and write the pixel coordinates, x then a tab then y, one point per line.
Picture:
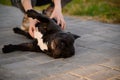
62	44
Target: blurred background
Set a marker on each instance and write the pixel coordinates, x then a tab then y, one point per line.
107	11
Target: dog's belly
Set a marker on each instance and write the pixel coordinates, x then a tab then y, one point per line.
38	35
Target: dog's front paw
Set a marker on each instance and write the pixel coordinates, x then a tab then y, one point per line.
8	48
16	30
32	13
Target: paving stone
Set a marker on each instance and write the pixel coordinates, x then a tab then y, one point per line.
114	63
51	68
13	54
115	78
43	70
20	65
40	57
85	60
91	44
103	45
5	74
107	52
8	18
107	34
64	76
104	75
90	37
115	28
111	34
80	50
80	31
89	70
96	42
11	60
115	40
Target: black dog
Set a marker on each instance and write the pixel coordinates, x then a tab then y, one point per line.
49	38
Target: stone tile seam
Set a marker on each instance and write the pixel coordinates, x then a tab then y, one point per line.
39	61
13	57
86	77
64	72
79	76
81	67
113	77
110	67
93	73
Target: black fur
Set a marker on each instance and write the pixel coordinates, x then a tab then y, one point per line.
60	44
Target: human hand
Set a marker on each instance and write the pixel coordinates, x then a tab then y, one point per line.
57	14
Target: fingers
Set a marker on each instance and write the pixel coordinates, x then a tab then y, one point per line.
63	24
60	21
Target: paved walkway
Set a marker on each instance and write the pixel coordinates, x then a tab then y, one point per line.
97	52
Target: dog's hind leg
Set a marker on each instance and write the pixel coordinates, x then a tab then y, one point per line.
32	46
20	31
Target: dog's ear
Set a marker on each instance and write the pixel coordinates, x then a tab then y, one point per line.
35	15
74	35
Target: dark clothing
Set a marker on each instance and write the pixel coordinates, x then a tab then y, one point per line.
43	2
18	4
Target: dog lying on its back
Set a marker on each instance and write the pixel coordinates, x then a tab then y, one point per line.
49	38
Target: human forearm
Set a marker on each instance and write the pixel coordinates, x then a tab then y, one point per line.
57	13
26	4
57	4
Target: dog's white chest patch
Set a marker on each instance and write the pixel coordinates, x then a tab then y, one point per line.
38	35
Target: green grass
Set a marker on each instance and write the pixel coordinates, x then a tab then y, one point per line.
103	10
5	2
